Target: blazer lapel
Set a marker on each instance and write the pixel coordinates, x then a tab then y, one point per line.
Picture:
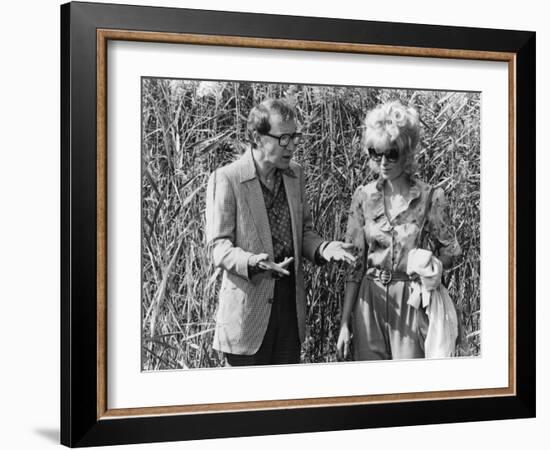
256	203
255	200
292	188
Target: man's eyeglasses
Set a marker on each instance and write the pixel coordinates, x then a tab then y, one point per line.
392	155
284	139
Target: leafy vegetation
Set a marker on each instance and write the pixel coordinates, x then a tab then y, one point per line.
190	128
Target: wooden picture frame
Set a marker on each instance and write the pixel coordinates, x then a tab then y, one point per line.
86	418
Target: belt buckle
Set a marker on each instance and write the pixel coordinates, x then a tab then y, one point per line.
385	277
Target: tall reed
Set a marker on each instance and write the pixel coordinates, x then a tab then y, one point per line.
190	128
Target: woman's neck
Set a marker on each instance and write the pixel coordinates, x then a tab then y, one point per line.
399	185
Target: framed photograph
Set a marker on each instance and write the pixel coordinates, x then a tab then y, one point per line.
279	224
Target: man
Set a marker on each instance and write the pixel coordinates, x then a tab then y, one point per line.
259	228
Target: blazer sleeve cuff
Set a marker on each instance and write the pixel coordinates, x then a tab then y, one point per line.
310	247
319	258
242	265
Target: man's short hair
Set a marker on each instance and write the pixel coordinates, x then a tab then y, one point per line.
258	119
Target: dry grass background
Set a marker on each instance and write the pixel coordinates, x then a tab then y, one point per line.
190	128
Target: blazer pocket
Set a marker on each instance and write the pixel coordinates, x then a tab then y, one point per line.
232	302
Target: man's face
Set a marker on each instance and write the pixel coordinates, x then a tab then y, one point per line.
273	153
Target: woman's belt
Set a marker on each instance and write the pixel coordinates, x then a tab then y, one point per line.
387	276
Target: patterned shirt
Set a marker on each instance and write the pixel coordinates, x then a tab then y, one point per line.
384	243
278	213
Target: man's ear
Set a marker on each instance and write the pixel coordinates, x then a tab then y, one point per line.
254	138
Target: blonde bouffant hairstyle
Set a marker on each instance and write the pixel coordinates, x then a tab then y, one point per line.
391	124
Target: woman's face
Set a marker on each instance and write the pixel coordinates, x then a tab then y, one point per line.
389	160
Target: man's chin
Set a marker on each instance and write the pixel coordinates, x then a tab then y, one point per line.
284	163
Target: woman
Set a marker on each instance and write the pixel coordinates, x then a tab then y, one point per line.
387	219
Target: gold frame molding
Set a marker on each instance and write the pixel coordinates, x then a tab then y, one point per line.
105	35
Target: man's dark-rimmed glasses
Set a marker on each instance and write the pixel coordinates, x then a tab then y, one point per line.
284	139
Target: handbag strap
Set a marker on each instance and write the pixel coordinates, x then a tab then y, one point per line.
425	217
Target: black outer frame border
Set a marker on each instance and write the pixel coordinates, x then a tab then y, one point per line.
79	425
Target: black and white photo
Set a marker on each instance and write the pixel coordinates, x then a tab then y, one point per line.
291	223
280	224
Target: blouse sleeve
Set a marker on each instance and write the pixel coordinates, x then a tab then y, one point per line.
356	236
440	228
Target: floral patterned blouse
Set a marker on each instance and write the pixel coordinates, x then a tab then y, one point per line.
384	243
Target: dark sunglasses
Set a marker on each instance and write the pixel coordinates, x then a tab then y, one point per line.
284	139
392	155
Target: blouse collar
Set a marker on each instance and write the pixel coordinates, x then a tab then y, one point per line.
378	200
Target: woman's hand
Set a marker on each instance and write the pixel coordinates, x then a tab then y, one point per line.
343	344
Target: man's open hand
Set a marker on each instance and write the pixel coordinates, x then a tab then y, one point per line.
339	251
268	269
277	270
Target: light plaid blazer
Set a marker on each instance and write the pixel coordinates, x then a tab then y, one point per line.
237	227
